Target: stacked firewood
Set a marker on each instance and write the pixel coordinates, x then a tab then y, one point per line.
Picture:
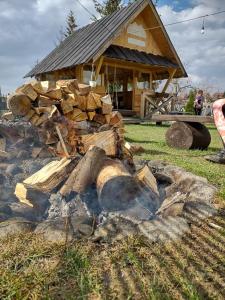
69	117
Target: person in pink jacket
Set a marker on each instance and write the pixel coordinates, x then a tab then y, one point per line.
219	119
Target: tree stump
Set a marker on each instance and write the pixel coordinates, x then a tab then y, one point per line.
187	135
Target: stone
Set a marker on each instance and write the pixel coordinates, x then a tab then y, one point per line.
173	205
162	230
13	170
14	226
198	210
115	228
24	211
55	230
3	217
23	154
5	208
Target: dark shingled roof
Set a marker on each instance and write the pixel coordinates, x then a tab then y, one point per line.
84	43
127	54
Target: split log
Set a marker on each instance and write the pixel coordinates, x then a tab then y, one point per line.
77	115
19	104
28	90
146	177
91	115
34	198
117	189
101	119
45	101
54	94
116	119
107	140
71	85
106	108
8	116
66	106
85	173
29	115
50	176
82	102
97	99
84	89
186	135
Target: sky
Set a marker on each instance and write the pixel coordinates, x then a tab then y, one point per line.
29	31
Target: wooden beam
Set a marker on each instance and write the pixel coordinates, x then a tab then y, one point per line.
172	73
182	118
99	67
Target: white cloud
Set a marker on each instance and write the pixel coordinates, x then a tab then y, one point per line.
202	55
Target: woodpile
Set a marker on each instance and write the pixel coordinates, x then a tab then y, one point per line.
68	116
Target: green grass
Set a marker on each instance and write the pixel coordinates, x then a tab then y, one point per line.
152	138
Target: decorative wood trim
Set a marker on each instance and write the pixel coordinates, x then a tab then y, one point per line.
172	73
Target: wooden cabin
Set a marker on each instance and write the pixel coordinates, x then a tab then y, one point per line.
125	53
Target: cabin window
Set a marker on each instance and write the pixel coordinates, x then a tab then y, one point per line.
87	72
143	81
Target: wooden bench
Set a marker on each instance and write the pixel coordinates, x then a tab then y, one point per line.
187	131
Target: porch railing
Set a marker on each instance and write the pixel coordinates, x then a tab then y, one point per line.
153	103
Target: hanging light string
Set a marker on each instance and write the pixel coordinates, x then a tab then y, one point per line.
188	20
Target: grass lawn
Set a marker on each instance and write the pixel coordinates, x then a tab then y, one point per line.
191	269
152	138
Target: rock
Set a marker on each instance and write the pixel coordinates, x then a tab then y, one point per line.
115	228
7	195
173	205
5	208
3	217
13	170
15	226
2	179
55	230
162	230
24	211
198	210
23	154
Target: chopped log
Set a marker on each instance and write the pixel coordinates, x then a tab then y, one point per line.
62	141
43	118
85	173
71	85
72	99
28	90
146	177
8	116
105	140
97	99
186	135
29	115
106	108
54	94
50	176
37	86
91	103
82	102
107	118
84	89
34	198
91	115
34	120
116	119
98	118
45	101
50	138
77	115
134	149
36	151
66	106
19	104
117	189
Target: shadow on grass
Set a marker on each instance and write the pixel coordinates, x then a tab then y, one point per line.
130	140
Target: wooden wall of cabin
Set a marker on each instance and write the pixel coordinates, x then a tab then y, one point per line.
134	36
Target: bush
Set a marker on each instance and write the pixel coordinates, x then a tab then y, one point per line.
190	104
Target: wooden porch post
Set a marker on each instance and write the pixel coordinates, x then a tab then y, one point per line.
172	73
99	65
142	112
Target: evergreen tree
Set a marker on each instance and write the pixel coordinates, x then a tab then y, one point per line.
107	7
71	24
190	104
